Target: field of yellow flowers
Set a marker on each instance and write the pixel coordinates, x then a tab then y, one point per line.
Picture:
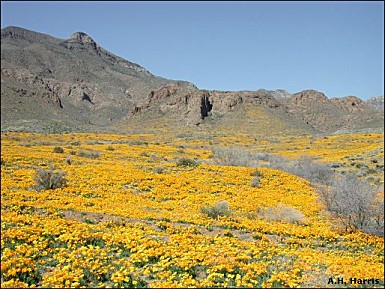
131	215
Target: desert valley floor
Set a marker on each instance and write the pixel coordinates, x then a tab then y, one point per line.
186	210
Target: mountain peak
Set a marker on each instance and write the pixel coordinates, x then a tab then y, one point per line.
82	37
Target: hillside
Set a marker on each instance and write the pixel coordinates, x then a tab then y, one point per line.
78	84
59	85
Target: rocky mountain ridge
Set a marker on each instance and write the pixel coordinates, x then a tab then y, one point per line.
78	85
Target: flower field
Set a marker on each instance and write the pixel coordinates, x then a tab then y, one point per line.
130	214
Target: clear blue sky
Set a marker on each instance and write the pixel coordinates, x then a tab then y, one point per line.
333	47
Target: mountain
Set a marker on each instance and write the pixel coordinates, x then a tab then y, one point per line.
376	103
53	85
71	81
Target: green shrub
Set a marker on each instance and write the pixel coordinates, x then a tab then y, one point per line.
49	179
59	150
186	162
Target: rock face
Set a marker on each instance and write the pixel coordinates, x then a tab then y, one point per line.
75	85
196	104
279	94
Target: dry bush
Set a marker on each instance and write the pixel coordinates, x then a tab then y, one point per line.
159	170
221	208
92	154
355	203
255	182
235	156
257	173
282	213
305	166
49	179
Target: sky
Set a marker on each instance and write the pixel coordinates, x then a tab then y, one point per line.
333	47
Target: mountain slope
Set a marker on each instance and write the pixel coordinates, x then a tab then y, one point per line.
51	84
72	79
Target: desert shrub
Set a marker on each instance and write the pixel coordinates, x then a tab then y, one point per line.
154	159
186	162
257	173
305	167
159	170
235	156
282	213
335	165
89	154
355	203
255	182
110	148
59	150
376	226
138	143
221	208
49	179
274	161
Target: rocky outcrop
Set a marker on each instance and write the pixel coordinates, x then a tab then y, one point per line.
306	99
196	105
278	94
163	92
324	114
350	103
81	41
